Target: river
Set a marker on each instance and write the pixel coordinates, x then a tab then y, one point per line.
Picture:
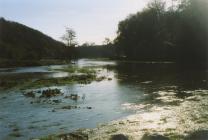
131	88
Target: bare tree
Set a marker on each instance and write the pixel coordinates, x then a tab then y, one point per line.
69	37
106	41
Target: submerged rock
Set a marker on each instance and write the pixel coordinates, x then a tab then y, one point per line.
29	94
88	107
3	97
69	107
98	79
109	79
51	93
56	101
73	97
39	91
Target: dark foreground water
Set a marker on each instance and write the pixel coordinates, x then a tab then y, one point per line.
131	88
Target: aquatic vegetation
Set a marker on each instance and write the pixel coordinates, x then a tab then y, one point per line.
76	69
7	84
29	94
47	93
69	107
44	96
11	82
101	78
109	79
84	75
47	82
56	101
49	96
51	93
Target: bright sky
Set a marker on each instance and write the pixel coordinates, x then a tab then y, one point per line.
93	20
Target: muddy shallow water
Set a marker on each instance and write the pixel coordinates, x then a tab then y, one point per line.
166	99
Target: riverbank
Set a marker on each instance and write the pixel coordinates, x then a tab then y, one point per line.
5	63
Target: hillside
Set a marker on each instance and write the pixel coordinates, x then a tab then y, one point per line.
19	42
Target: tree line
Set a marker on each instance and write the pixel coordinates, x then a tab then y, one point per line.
178	32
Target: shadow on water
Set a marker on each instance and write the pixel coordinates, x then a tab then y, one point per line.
161	75
119	137
163	83
154	137
198	135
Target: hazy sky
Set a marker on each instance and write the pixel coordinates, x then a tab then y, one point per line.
93	20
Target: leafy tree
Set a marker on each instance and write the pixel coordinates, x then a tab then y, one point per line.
178	33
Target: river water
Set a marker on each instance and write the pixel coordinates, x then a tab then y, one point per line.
130	88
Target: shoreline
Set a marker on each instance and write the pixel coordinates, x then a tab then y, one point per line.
154	122
30	63
5	63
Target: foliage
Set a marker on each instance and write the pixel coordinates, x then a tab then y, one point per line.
178	33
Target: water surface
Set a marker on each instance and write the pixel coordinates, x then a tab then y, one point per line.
132	88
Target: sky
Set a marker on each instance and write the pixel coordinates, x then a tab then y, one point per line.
92	20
